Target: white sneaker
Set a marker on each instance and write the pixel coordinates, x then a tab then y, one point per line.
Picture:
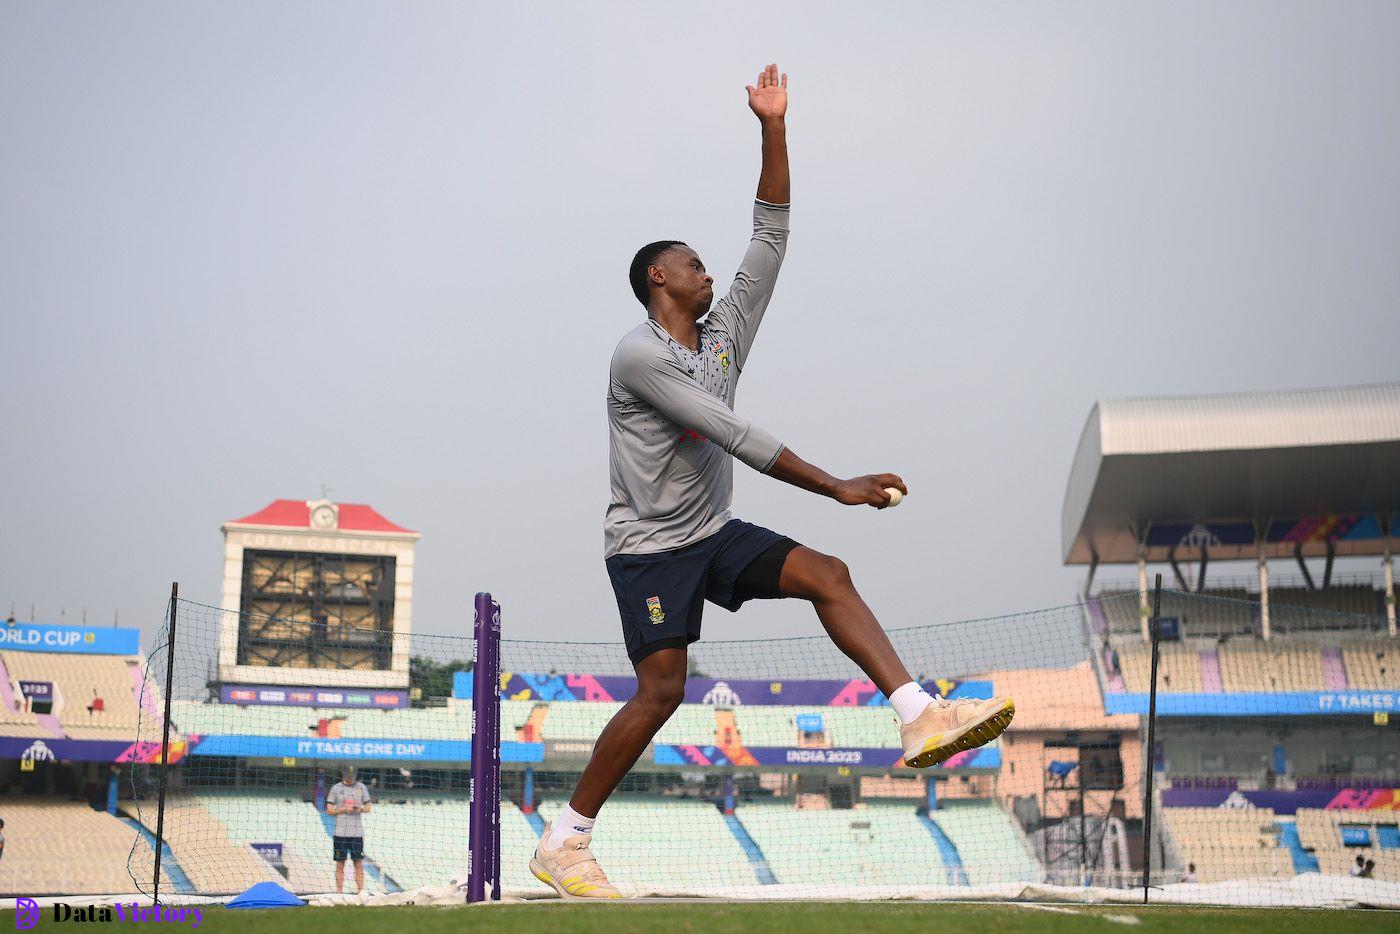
571	870
946	728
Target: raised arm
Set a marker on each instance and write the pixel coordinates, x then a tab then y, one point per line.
739	313
768	100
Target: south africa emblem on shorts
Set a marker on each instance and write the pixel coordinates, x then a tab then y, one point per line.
654	610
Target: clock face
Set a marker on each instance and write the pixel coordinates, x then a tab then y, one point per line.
323	517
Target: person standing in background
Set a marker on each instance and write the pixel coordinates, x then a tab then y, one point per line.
348	801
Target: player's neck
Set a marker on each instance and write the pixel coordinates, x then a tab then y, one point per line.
677	322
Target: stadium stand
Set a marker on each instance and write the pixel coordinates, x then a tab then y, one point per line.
80	680
394	835
1232	615
879	844
395	830
990	845
691	723
1179	667
274	818
1229	843
229	719
1321	831
1254	668
202	845
573	720
1372	665
866	727
14	720
67	848
518	838
1352	599
772	726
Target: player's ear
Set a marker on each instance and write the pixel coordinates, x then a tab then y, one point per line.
657	275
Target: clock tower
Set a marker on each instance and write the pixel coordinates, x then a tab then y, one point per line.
317	594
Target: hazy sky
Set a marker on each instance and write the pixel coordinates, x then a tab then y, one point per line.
248	249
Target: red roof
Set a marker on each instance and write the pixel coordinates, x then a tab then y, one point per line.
296	514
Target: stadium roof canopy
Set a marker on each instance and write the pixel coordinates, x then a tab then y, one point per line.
296	514
1300	473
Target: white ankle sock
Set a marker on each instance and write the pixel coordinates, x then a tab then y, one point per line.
909	700
569	823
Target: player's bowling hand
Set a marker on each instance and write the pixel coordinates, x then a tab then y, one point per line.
869	490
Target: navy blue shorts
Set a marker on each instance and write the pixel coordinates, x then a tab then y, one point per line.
353	847
661	596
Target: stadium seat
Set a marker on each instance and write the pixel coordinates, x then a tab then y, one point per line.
1320	830
1373	665
79	679
1228	843
65	847
1256	667
878	844
1178	668
204	847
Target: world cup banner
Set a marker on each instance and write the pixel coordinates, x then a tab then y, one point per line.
73	640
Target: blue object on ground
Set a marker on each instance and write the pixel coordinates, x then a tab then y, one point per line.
266	895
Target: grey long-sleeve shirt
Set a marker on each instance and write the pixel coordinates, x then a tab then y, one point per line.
671	423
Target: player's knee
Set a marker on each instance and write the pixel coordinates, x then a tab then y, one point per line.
663	698
835	575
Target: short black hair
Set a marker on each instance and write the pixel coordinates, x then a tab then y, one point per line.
646	257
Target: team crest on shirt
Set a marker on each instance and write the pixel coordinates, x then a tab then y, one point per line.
723	356
654	610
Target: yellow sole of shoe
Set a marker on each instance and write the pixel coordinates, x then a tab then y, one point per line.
538	872
979	735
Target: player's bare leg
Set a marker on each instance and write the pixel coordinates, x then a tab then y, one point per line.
660	690
563	860
943	728
359	875
339	876
826	582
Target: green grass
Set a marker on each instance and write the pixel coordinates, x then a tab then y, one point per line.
806	918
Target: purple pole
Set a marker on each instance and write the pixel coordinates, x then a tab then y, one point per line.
484	832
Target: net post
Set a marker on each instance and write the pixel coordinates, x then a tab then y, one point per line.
1151	758
484	838
165	740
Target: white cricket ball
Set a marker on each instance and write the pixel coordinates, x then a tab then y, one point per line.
896	497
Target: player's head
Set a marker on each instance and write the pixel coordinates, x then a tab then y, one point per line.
672	268
347	774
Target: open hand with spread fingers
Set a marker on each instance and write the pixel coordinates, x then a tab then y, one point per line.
768	99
